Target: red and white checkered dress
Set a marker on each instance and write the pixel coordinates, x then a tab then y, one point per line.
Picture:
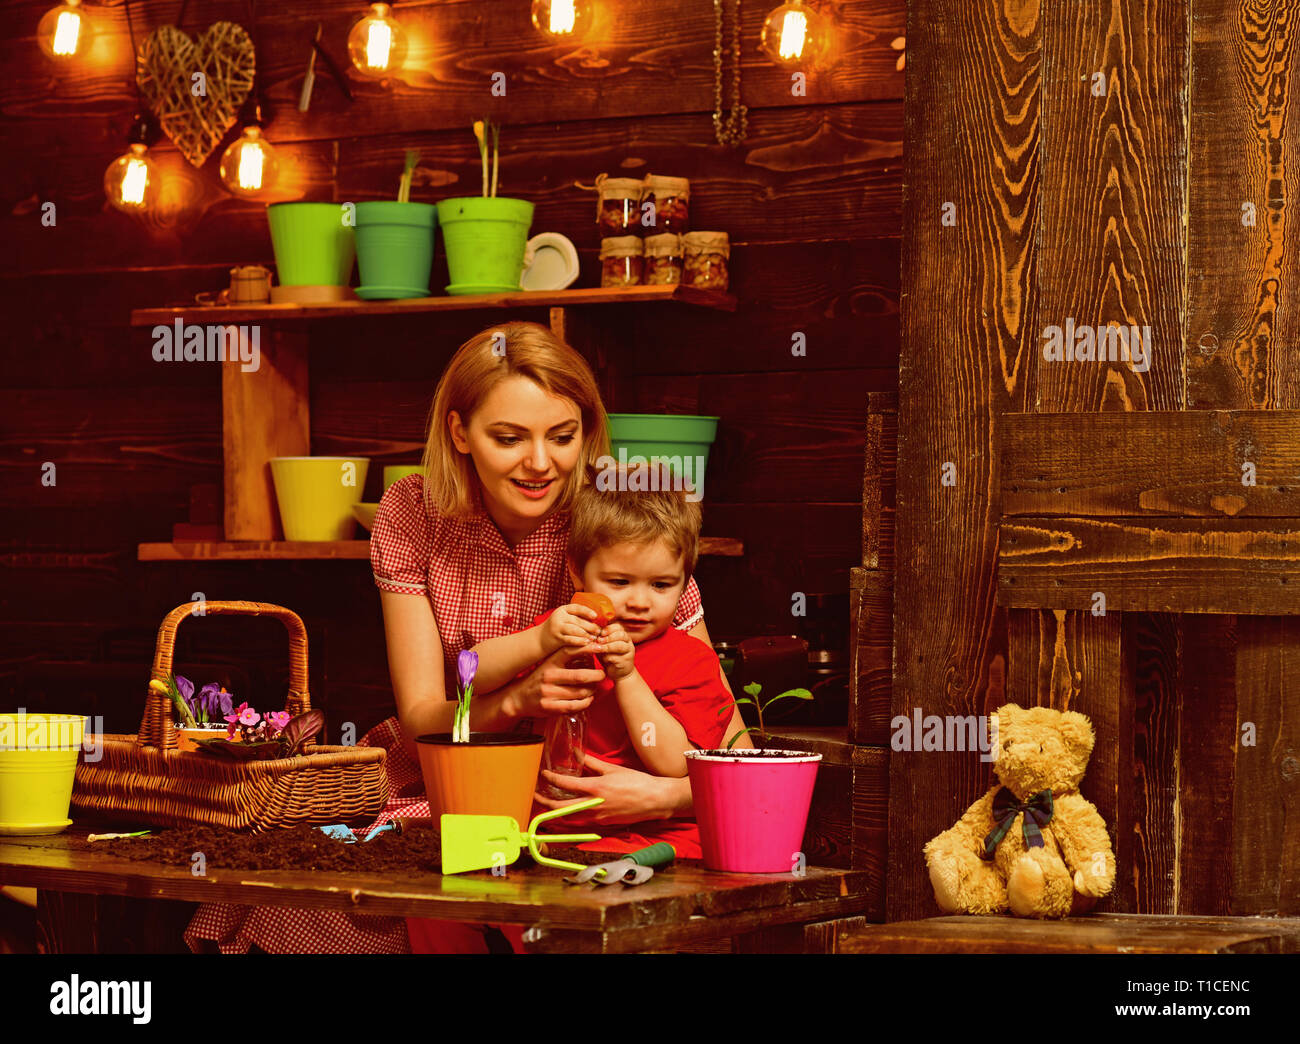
479	588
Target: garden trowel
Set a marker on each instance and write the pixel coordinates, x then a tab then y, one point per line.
485	842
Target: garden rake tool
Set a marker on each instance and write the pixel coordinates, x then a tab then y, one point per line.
481	842
632	869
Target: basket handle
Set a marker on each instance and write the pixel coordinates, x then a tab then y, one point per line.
156	728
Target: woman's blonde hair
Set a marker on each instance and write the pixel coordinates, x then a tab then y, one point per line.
479	365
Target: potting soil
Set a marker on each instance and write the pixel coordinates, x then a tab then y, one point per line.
297	848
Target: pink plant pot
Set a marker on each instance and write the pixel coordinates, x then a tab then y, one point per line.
752	810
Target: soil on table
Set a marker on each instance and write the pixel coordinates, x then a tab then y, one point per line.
417	850
297	848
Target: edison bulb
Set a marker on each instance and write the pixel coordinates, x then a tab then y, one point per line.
560	18
131	181
249	165
794	35
377	43
65	31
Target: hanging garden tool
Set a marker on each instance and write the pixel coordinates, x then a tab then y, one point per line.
633	869
483	842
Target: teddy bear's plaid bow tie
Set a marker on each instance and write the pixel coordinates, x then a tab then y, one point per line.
1038	813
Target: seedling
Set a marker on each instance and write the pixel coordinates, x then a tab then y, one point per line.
754	689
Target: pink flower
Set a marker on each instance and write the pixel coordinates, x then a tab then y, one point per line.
248	716
237	712
278	719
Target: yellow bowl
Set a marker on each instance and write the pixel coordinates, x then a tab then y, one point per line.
365	514
38	762
316	495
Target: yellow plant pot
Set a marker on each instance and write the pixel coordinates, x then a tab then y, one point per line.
316	495
38	761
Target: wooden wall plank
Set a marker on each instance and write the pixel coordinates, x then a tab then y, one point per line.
1243	170
1158	463
1265	828
1170	565
967	335
1207	743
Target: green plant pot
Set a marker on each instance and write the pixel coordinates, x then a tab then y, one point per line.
485	240
395	248
673	437
313	247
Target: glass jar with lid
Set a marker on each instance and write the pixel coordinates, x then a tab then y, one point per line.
622	261
663	259
706	258
669	208
618	206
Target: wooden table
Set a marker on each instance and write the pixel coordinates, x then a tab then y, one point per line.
682	907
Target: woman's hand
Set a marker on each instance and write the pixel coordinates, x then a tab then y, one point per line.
630	796
569	627
551	688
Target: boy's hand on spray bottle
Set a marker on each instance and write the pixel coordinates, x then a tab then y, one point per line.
615	652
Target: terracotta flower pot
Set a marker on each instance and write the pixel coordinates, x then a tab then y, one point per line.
491	775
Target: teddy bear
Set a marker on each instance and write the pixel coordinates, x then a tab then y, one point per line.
1033	844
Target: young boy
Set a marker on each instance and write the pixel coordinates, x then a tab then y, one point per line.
663	692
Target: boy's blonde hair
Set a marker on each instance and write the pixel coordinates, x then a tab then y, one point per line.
616	514
479	365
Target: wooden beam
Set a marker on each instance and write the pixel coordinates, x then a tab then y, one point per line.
1159	463
1173	565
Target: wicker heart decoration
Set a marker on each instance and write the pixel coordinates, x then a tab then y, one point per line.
168	61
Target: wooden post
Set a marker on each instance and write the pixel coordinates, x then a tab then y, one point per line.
264	414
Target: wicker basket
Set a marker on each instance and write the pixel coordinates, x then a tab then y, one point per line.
146	778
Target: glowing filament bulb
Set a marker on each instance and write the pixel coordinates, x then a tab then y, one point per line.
793	32
564	16
379	44
250	169
66	31
134	182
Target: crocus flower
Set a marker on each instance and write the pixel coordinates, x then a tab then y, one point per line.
467	667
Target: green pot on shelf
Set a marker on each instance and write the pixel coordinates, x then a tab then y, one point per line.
314	245
674	437
485	239
395	244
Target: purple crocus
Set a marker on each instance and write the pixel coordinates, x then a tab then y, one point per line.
186	688
214	699
466	668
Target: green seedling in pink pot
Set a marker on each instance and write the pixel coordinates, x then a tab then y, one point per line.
752	805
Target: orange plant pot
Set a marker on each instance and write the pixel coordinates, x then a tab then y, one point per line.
491	775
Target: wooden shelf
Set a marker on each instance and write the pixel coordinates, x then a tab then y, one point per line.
262	550
419	305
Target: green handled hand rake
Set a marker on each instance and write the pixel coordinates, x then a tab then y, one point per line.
482	842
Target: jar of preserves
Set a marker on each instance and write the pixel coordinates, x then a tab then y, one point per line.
622	261
665	204
618	206
663	259
707	254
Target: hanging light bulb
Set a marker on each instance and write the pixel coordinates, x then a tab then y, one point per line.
131	182
794	35
560	18
377	43
65	31
250	164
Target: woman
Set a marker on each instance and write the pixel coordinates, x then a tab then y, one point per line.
477	551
